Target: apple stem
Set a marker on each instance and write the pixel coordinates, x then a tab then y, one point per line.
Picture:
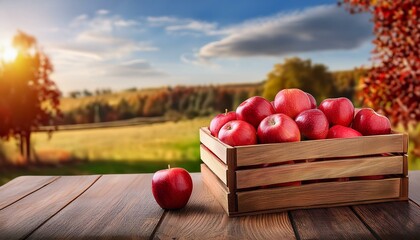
169	166
226	111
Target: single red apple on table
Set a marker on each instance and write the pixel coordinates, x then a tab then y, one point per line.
253	110
291	102
221	119
368	122
313	100
339	131
339	111
172	188
238	133
313	124
278	128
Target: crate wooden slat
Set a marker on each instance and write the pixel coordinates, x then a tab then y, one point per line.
326	148
320	170
218	168
219	190
244	186
319	193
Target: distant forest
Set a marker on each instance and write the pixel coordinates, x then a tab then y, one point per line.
184	102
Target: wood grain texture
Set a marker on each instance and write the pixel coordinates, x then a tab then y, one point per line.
24	216
405	167
414	186
326	148
329	223
395	220
219	191
203	218
318	193
216	166
215	145
117	206
405	142
21	187
320	170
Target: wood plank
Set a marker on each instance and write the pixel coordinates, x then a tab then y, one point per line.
215	145
326	148
27	214
369	166
20	187
219	191
203	218
119	206
395	220
405	142
405	168
318	193
216	166
329	223
414	186
404	188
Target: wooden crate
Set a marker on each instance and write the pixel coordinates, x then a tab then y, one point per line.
243	179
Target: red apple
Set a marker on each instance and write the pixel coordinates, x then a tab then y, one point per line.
339	111
313	124
356	110
339	131
368	122
312	99
291	102
278	128
253	110
238	133
172	188
221	119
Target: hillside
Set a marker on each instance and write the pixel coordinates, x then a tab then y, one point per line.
173	103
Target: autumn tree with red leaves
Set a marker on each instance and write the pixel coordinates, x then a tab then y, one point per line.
28	97
392	85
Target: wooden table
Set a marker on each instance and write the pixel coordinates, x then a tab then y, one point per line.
122	206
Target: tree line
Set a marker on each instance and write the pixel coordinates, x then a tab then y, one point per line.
185	102
173	103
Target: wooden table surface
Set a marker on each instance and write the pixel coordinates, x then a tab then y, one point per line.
122	206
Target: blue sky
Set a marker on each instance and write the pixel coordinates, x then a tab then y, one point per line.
149	43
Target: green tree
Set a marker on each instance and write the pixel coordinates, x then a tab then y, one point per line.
298	73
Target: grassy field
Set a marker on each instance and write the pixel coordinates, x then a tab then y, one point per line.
144	148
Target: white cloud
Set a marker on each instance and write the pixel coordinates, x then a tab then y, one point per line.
103	50
103	37
102	12
183	26
313	29
136	67
162	20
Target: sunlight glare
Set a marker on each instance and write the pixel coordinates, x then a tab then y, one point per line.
8	53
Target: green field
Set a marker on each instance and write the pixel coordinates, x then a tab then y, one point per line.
144	148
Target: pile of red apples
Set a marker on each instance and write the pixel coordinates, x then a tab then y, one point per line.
294	116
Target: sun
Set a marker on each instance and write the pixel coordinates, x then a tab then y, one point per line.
8	53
